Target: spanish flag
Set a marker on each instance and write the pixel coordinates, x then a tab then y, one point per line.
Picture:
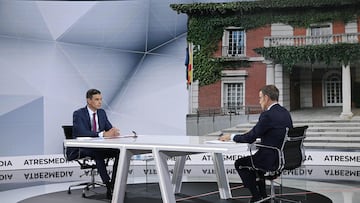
189	64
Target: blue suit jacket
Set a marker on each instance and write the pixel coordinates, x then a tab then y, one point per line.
82	123
271	129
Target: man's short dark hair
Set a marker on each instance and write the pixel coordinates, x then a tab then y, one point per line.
271	91
91	92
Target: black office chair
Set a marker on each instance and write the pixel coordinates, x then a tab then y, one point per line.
291	156
85	162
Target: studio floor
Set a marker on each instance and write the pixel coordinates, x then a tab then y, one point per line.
339	185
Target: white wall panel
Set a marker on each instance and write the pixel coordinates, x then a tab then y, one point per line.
133	51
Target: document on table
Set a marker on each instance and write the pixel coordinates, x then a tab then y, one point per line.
219	142
120	136
84	138
90	138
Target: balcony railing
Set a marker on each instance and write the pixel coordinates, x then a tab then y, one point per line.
311	40
234	110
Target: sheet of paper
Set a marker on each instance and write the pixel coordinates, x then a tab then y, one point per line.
219	142
120	136
84	138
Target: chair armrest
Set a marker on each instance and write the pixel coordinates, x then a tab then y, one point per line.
267	147
264	146
296	138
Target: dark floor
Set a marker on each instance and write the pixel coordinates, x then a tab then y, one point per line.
150	193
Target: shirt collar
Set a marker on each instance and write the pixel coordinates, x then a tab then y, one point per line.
271	105
90	111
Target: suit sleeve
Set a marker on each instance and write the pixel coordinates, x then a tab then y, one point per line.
259	129
81	126
104	122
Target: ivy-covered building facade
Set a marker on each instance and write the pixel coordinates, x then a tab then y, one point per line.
309	49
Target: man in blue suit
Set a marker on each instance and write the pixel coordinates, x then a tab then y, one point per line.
271	129
91	121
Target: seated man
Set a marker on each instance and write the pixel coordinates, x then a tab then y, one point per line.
91	121
271	129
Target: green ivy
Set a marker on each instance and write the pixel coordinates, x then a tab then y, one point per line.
207	22
246	7
288	56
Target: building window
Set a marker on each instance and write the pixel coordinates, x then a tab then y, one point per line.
233	90
333	90
233	97
233	42
320	34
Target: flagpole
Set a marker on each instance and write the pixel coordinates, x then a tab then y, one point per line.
190	77
190	99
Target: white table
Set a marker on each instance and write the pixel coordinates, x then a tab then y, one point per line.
162	147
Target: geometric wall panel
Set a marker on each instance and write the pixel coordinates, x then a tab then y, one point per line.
53	51
22	130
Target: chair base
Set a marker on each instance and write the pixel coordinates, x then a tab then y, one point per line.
273	199
88	186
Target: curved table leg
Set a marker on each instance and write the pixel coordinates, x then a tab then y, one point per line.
222	179
166	189
178	173
121	176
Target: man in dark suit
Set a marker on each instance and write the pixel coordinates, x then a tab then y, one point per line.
271	129
91	121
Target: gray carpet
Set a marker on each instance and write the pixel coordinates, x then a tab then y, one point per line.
150	193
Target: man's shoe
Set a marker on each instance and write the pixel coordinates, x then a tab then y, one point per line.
253	199
108	194
109	190
259	199
266	201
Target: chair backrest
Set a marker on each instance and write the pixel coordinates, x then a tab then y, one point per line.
68	131
293	153
70	153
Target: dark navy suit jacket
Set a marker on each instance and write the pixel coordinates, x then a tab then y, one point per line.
271	129
82	123
82	128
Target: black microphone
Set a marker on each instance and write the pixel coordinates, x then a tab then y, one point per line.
134	133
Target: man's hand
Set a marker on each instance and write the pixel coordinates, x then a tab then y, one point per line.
225	137
112	132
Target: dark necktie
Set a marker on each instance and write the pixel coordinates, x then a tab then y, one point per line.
94	122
